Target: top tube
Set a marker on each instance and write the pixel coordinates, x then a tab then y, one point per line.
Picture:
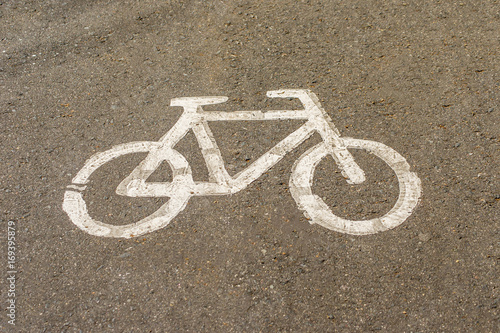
195	104
253	115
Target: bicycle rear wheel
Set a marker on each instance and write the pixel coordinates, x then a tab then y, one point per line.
315	208
74	204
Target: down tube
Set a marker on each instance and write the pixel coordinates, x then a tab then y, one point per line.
273	156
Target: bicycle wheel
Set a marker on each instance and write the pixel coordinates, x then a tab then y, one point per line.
74	204
315	208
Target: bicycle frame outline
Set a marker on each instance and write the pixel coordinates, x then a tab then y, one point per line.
182	187
221	183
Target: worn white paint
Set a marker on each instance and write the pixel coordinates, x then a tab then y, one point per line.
182	186
315	208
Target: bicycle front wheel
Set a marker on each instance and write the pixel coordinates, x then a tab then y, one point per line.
74	204
315	208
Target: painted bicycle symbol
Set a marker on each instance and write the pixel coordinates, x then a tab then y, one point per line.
183	187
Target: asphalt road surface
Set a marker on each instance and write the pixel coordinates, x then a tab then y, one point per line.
80	77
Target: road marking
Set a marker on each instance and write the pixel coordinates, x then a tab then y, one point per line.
182	186
315	208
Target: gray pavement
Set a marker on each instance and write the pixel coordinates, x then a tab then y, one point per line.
79	77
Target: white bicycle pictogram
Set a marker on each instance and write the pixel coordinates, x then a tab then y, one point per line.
183	187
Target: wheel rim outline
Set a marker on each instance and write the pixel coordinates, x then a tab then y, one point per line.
319	213
74	205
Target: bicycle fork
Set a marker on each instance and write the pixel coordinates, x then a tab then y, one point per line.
329	133
337	149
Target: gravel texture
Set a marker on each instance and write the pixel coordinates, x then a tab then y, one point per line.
422	77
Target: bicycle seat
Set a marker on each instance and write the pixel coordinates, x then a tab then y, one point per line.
197	101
